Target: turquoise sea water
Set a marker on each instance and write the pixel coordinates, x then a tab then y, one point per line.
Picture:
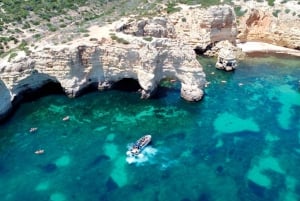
241	142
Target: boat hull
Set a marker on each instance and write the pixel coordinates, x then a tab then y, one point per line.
140	144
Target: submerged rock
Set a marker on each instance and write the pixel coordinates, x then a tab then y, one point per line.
111	185
257	190
98	160
49	168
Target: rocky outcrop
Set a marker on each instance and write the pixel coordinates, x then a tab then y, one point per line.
158	27
5	100
201	28
278	25
225	45
77	67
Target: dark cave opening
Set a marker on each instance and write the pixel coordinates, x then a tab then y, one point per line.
200	50
127	84
50	88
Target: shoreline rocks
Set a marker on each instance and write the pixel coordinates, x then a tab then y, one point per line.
76	68
146	50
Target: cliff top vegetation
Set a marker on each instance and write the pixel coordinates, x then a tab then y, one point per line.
22	23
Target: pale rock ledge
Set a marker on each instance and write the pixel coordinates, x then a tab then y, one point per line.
103	63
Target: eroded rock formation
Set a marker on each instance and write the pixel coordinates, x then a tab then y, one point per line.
77	67
201	28
278	25
158	27
198	27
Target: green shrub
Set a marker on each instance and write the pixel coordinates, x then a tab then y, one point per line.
36	23
12	55
271	2
26	26
275	13
18	30
23	45
171	7
82	30
37	36
287	11
239	12
119	40
204	3
149	38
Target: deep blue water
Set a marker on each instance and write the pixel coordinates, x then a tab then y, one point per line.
241	142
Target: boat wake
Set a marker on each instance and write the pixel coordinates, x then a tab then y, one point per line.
153	156
146	156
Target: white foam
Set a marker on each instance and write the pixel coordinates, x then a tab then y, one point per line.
147	155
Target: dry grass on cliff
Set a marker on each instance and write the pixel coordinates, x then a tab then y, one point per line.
26	24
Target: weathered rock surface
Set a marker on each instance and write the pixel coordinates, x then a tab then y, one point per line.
169	54
236	52
76	67
278	25
158	27
5	100
198	27
202	28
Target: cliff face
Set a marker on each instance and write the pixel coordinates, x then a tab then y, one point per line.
76	67
197	27
203	27
166	53
5	100
278	25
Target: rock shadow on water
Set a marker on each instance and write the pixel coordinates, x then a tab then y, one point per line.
97	161
261	193
111	185
257	190
3	170
48	168
204	197
185	199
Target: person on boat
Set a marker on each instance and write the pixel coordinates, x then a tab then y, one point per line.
135	150
33	130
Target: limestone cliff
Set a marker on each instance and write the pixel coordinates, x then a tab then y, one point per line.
278	25
103	63
147	50
198	27
202	28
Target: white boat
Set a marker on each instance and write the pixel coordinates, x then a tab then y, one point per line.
138	147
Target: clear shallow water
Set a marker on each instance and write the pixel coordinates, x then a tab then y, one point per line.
242	142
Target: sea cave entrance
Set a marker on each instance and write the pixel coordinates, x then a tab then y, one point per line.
30	94
127	84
